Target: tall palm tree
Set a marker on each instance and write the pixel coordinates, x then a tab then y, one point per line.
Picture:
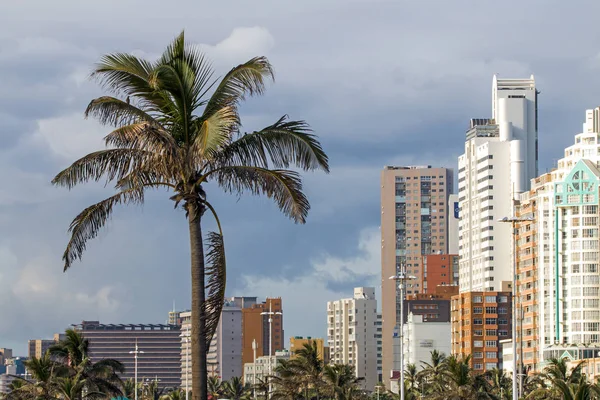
171	134
235	389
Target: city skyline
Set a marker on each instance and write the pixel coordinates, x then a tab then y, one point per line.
420	99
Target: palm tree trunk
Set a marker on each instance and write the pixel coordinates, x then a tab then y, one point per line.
198	334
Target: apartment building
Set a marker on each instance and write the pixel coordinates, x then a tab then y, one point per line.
351	333
160	343
414	223
255	326
480	320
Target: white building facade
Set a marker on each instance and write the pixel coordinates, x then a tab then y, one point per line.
568	256
263	367
422	337
225	353
500	159
352	334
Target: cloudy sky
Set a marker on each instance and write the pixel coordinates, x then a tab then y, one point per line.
381	82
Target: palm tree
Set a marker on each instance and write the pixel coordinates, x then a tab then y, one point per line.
500	384
129	389
342	383
72	349
171	134
43	370
73	353
175	394
151	390
309	366
432	375
287	382
74	388
261	387
234	389
215	388
411	378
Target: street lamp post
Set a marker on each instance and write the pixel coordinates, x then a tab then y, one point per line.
270	313
402	278
513	222
186	339
135	362
254	346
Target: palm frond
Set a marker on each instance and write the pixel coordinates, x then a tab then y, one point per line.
245	79
110	164
89	222
142	135
285	187
124	73
116	112
214	134
284	143
216	274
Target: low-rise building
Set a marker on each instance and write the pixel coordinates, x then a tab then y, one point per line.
264	366
421	337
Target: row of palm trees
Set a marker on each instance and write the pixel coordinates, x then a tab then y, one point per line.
452	378
66	372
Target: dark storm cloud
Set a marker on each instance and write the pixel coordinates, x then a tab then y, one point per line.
380	82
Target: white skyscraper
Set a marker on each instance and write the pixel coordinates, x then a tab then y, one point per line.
500	159
352	334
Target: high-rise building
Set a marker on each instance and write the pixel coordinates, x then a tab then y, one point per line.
529	288
160	343
255	326
414	222
500	159
480	320
558	281
351	333
224	356
439	270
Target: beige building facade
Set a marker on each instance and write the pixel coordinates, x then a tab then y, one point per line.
414	223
